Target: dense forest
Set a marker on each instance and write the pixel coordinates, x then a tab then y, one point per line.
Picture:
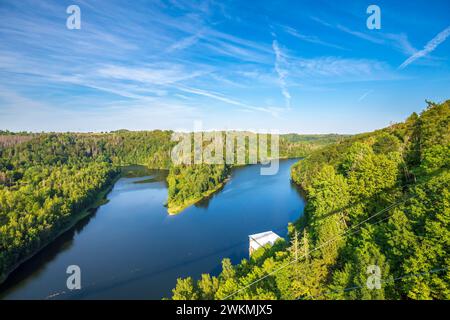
376	224
49	180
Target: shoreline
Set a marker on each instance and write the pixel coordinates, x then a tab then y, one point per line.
174	210
99	201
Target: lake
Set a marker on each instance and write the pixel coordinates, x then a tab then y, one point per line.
130	248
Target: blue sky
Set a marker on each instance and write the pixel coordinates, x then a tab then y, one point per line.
291	66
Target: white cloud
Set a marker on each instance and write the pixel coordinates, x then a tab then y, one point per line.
282	73
338	69
364	95
322	22
19	112
398	41
401	42
158	75
184	43
360	35
429	47
217	96
309	38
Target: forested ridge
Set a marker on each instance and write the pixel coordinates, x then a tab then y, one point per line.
378	204
149	148
49	180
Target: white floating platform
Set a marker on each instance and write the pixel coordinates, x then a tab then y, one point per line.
259	240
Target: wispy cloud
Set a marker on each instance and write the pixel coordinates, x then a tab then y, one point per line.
142	60
220	97
429	47
281	72
337	69
309	38
161	74
401	42
345	29
322	22
168	58
359	34
364	95
398	41
21	113
184	43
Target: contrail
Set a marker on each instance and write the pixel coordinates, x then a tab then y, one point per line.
282	74
431	45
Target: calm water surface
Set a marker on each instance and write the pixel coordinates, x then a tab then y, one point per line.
131	249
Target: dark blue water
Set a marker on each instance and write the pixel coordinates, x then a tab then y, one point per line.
130	248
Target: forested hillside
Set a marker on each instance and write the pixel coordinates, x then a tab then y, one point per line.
378	213
295	145
149	148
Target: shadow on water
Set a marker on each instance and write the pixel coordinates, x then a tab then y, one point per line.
136	275
204	203
147	175
301	193
34	266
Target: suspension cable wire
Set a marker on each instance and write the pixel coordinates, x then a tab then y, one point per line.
330	241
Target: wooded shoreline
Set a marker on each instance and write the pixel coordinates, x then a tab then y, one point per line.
90	210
